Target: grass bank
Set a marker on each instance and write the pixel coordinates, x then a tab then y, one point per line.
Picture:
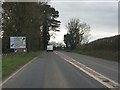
11	63
109	55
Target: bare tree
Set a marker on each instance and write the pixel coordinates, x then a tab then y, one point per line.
77	32
84	33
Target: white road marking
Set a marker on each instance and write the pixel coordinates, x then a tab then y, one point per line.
17	71
97	76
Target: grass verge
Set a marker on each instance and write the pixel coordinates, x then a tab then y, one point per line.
108	55
11	63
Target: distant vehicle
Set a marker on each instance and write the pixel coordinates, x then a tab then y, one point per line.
49	48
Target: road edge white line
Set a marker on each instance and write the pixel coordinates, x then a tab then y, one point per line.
96	78
17	71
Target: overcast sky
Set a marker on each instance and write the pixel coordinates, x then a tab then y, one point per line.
101	16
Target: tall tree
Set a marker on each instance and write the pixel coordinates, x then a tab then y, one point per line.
76	32
1	19
50	23
33	20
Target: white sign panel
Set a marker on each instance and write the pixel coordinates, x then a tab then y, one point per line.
17	42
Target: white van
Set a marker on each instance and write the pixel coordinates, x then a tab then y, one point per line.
49	48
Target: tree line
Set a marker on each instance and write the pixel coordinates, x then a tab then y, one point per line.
78	37
109	43
31	19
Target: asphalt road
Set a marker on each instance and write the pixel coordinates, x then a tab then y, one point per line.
51	71
105	67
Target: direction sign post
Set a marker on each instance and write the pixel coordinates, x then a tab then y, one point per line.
18	43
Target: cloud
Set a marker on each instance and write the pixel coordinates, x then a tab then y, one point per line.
59	35
101	16
91	12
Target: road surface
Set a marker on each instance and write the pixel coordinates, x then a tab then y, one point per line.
51	71
105	67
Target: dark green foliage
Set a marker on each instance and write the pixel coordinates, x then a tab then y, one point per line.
49	23
110	43
106	48
31	19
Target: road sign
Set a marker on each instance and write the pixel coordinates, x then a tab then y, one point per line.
18	42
